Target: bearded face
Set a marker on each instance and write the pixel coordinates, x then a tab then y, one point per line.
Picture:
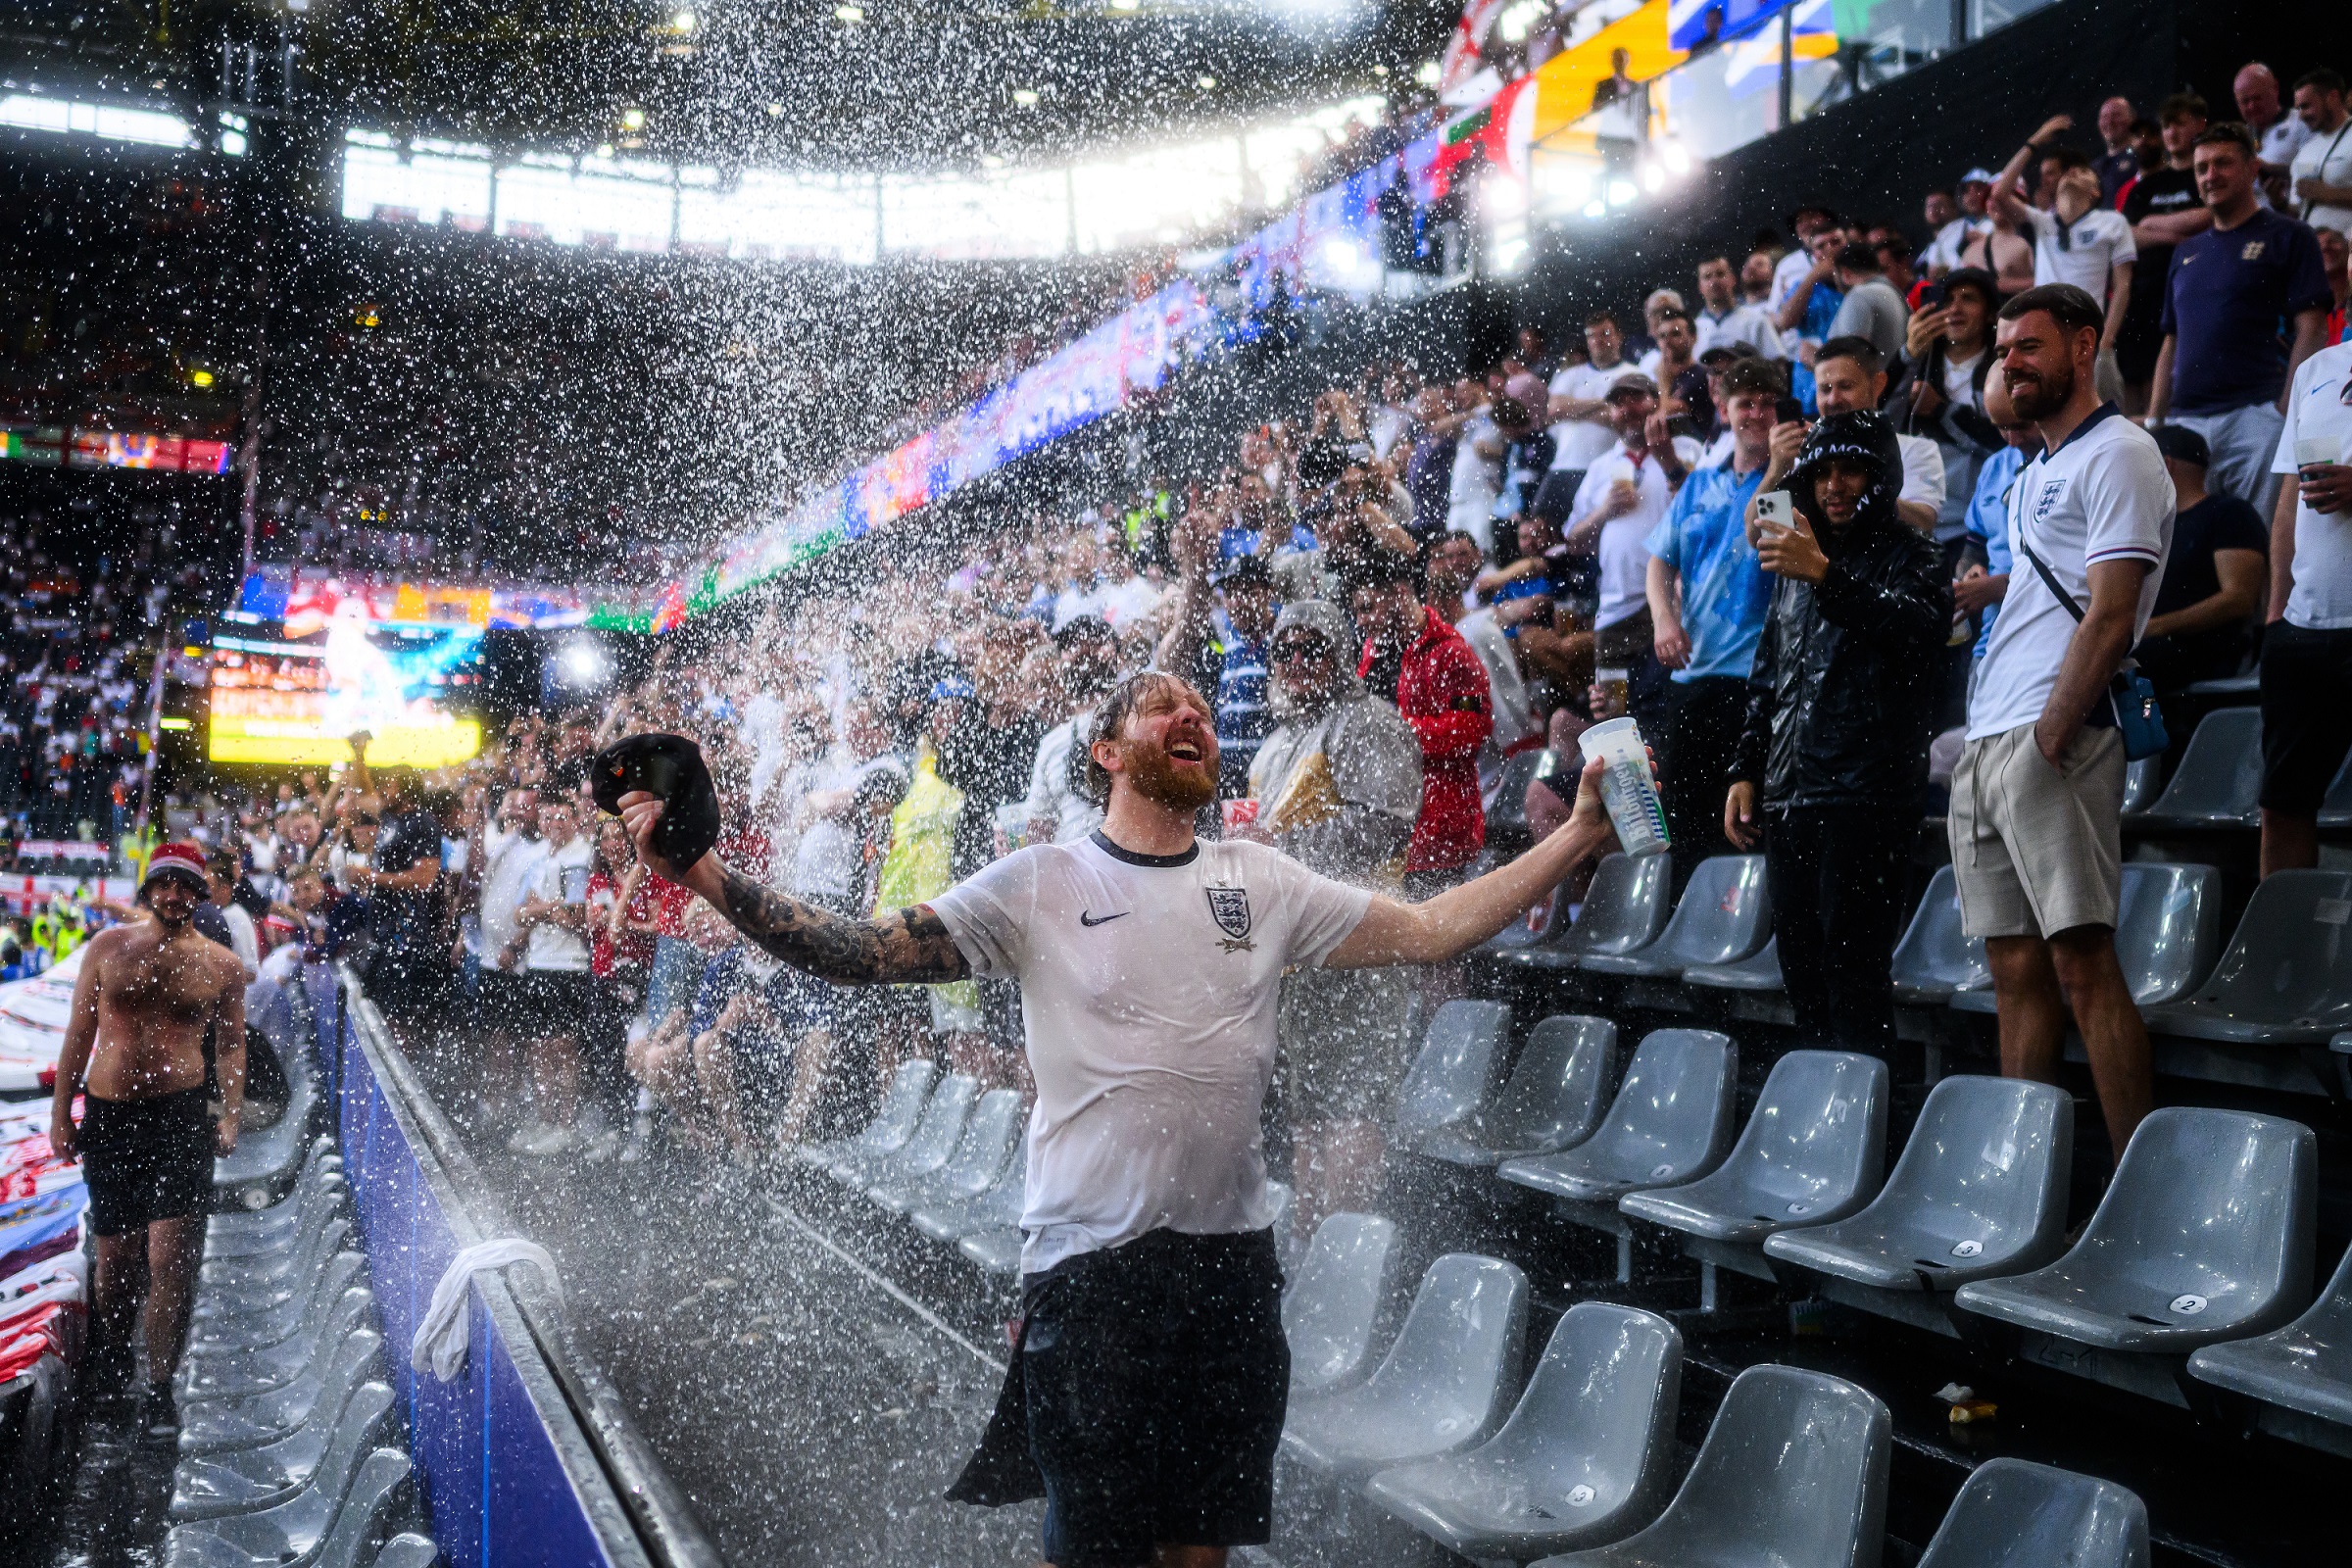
2040	390
1177	776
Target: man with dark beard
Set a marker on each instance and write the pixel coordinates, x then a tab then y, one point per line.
146	995
2037	792
1147	1387
1338	786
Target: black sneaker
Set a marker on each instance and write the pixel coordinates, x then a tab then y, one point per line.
158	1417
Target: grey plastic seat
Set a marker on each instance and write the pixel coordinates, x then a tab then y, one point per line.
2016	1514
2218	782
1978	1191
1626	906
1759	971
893	1124
2302	1371
1936	958
273	1153
1440	1389
2286	978
1585	1456
1671	1121
223	1425
245	1226
972	1169
254	1479
1453	1073
271	1277
996	1250
2167	933
2335	806
1333	1301
226	1333
1507	830
2143	781
235	1377
2205	1236
947	1219
312	1206
1554	1098
1545	923
1724	915
934	1138
1812	1151
291	1532
408	1549
1793	1471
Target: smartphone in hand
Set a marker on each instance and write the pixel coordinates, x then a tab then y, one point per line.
1776	511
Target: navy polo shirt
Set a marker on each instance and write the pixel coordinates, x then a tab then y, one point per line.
2229	299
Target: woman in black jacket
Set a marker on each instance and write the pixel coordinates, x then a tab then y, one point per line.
1840	709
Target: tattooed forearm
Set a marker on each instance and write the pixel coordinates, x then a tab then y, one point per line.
905	944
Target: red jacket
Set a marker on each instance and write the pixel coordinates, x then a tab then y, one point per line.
1442	693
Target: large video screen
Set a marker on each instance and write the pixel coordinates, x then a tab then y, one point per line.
299	702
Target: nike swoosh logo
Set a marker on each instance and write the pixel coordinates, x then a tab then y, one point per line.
1087	919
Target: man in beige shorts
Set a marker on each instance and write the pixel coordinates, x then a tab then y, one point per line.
2038	793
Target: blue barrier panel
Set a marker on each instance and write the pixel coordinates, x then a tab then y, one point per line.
485	1447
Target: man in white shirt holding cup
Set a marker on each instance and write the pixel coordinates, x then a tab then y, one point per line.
2306	650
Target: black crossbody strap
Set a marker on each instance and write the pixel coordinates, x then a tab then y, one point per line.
2049	581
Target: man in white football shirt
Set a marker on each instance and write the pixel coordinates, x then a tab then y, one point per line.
1147	1395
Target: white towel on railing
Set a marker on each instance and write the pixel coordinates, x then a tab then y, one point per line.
441	1339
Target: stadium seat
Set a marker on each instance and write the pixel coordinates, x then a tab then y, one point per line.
893	1124
945	1219
2335	806
2167	932
1554	1097
226	1425
1546	922
253	1479
280	1219
265	1278
366	1510
934	1138
299	1217
1980	1190
2302	1373
2205	1236
2015	1514
1333	1301
1759	971
1453	1073
1508	832
1936	958
1671	1121
408	1549
267	1159
292	1531
1812	1151
1724	916
1440	1387
224	1334
2218	782
237	1375
1625	907
2143	781
972	1169
1794	1470
2286	978
1585	1456
998	1251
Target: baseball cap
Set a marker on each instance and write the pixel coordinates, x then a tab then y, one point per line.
184	860
1976	177
1632	381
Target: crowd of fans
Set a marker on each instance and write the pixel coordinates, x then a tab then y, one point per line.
1418	579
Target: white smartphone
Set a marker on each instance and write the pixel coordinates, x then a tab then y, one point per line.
1775	509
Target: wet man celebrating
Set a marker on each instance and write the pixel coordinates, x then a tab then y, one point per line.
1146	1399
146	995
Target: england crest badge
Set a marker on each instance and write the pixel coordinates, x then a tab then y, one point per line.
1230	908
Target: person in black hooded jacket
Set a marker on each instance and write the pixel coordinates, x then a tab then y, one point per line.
1840	708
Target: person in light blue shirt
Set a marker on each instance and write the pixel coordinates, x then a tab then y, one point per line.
1708	596
1981	587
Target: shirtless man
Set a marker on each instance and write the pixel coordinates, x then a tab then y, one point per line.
146	995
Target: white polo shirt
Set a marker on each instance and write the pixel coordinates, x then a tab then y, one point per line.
1579	443
2104	495
1743	326
1149	986
2095	243
2320	598
1624	539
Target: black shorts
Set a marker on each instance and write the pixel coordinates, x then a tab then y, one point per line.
2306	715
500	1000
1156	1378
147	1160
556	1002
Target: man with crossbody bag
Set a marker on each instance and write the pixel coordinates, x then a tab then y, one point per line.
2038	793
